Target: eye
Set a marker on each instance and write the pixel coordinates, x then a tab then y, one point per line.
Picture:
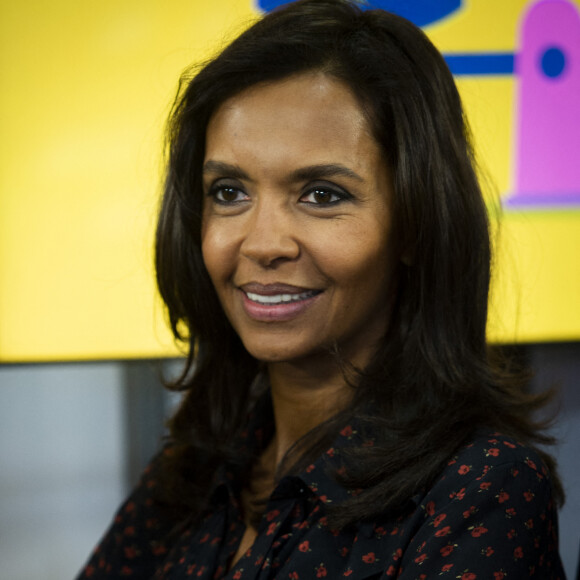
324	195
227	194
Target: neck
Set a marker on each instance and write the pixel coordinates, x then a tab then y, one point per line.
303	399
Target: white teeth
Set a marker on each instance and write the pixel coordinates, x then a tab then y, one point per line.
278	298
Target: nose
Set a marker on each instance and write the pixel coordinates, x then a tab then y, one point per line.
271	237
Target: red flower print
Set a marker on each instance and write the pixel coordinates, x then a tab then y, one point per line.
420	559
130	552
529	495
489	551
89	571
430	508
272	514
508	444
237	575
511	534
271	528
346	431
398	553
344	551
446	568
391	570
347	572
310	468
439	519
321	571
380	531
330	452
158	549
204	539
478	531
502	496
126	571
529	524
443	531
494	452
469	512
518	553
510	512
129	531
293	576
498	575
530	463
485	485
446	550
369	558
468	576
463	469
304	546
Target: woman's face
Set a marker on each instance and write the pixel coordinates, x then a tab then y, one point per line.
297	222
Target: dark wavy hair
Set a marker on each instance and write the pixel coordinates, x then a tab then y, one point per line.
432	382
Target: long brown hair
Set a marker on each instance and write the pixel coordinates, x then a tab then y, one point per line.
432	381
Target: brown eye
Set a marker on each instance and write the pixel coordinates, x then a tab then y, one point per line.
226	195
324	196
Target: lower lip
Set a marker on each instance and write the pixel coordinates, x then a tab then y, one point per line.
276	312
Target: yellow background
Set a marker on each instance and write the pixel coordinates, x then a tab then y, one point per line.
85	91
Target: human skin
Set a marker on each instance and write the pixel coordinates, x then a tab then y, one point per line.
297	240
297	213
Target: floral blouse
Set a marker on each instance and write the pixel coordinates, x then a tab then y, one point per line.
489	515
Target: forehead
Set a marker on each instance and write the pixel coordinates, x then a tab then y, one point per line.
311	113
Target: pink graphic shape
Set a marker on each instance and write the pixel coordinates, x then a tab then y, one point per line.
548	128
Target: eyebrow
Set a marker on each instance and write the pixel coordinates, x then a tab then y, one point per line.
308	173
222	168
324	170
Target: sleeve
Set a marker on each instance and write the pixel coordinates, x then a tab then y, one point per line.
502	523
136	543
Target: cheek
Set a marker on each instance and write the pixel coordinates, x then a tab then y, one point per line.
213	251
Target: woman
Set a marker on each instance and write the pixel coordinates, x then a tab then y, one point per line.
323	249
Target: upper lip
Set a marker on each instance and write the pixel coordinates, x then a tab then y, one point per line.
273	289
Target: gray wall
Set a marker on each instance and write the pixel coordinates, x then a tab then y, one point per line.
73	438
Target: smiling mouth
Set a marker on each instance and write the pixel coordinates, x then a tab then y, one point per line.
272	300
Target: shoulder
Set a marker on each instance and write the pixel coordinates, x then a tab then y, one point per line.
491	454
493	464
490	512
139	535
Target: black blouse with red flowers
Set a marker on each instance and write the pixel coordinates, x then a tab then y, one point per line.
489	515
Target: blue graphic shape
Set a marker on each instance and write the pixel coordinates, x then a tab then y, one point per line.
481	63
420	12
553	62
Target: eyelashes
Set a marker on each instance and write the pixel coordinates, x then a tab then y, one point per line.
322	195
325	195
227	195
